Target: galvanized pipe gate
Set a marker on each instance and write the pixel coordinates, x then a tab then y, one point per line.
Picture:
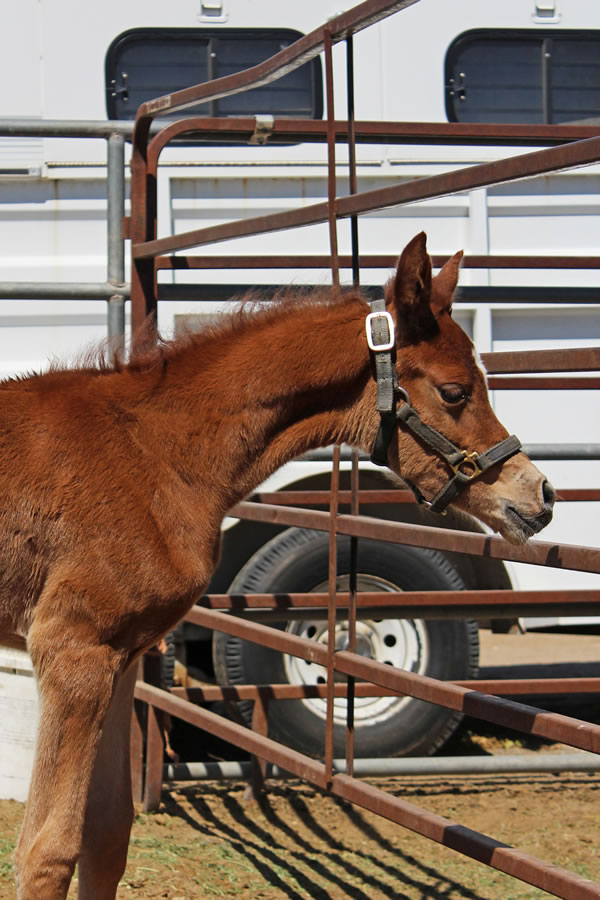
564	147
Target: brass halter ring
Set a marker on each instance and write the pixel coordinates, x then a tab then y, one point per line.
470	460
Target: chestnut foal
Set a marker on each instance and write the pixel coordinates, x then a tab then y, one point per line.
115	482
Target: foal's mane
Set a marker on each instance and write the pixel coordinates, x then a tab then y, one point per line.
251	311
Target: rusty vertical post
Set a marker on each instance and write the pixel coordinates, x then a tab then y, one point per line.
154	739
258	766
136	744
154	762
142	228
331	610
331	179
352	605
335	471
353	181
136	750
354	479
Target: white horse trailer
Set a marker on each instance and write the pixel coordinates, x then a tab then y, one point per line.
519	61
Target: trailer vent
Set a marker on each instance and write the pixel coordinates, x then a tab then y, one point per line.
524	76
146	63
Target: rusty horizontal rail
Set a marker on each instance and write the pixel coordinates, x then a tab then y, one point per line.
466	295
537	553
294	130
385	497
539	162
547	383
578	494
542	686
316	498
370	261
509	362
266	692
471	843
470	604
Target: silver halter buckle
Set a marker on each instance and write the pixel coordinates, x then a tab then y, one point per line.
387	345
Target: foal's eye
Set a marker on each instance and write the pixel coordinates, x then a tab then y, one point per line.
453	393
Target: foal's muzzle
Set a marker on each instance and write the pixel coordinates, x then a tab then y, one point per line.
533	524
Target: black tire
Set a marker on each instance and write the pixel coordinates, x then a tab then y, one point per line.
167	661
297	560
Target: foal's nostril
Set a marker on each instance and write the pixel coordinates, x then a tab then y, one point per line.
549	494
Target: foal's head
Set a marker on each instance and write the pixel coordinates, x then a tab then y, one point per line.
440	371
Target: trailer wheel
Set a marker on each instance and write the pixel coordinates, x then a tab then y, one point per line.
167	661
297	560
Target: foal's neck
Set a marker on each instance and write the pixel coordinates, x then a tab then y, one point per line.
285	382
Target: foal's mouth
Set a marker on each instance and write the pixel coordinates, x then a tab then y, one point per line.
527	526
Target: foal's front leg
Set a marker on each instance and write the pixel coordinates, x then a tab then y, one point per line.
109	811
76	677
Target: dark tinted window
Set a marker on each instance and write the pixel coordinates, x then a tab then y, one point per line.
529	77
148	62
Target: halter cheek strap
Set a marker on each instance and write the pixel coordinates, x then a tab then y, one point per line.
382	342
465	465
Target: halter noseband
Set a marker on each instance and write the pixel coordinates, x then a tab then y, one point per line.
465	466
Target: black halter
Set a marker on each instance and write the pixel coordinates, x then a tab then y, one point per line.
465	466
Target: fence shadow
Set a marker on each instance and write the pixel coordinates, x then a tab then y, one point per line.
305	844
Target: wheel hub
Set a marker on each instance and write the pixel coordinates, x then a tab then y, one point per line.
395	642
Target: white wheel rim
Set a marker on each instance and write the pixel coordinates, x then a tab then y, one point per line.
402	643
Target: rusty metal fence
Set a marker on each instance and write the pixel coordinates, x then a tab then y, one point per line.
245	616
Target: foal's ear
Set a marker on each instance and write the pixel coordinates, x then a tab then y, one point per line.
443	285
409	291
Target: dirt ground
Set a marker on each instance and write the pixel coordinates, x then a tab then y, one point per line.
208	840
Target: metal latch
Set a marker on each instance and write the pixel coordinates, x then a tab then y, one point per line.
263	129
120	89
212	11
456	86
546	12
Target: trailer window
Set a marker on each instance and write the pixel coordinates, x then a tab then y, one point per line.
529	77
145	63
